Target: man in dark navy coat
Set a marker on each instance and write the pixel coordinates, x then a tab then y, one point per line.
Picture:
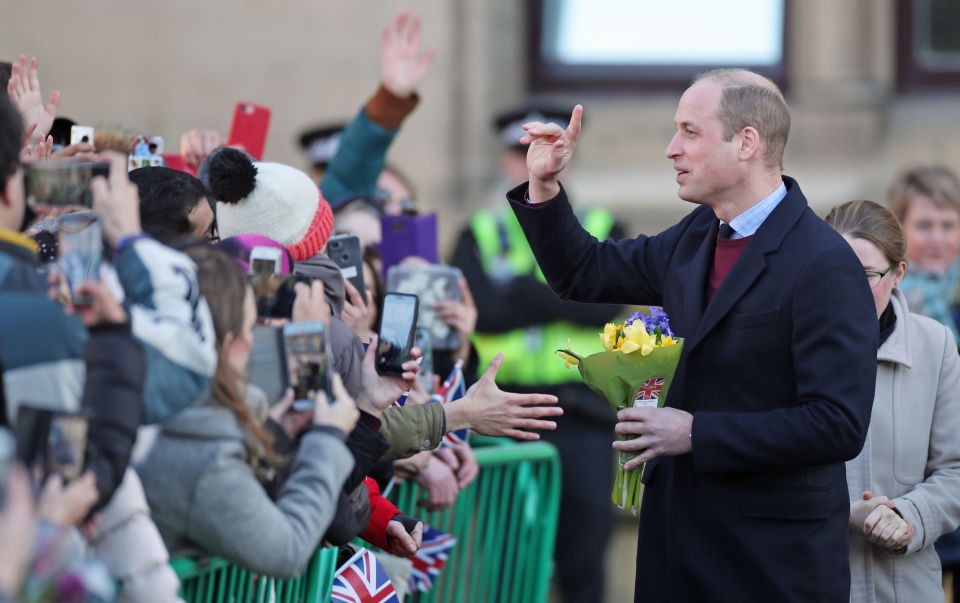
746	496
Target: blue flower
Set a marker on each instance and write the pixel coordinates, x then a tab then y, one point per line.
657	318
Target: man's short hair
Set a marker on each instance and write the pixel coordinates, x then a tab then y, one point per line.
166	199
11	132
749	99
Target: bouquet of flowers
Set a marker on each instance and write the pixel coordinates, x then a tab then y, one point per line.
636	370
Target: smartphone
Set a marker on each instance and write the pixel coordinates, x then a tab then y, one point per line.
267	367
59	183
346	253
249	128
52	440
275	293
265	260
431	283
406	236
398	323
307	356
145	151
80	248
81	134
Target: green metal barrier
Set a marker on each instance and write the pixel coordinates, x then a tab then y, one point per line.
213	580
505	524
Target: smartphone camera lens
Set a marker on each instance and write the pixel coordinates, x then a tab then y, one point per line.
345	257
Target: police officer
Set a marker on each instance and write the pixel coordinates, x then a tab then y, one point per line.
520	316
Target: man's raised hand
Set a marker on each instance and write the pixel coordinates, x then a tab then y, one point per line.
551	148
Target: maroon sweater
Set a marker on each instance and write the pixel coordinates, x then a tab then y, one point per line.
726	255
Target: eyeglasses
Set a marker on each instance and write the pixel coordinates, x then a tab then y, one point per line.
874	277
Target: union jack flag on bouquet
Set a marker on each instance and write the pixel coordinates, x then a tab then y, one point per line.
649	392
453	389
363	580
430	559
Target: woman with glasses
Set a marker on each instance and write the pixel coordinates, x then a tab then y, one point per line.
905	484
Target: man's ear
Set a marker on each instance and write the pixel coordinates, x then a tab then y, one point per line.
750	143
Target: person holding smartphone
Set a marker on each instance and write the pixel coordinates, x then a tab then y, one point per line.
203	475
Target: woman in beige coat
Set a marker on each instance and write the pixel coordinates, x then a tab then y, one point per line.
905	484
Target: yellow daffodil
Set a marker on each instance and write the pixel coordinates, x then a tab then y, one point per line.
666	340
609	337
568	360
637	338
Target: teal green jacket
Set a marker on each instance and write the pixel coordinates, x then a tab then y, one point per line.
357	164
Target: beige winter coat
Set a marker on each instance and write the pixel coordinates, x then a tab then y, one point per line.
912	456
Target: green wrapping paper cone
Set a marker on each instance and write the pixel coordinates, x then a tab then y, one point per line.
625	381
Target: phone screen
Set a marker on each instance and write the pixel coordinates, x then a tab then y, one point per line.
80	245
59	183
52	440
399	319
262	266
274	293
66	446
306	348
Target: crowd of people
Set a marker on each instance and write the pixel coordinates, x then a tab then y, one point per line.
184	453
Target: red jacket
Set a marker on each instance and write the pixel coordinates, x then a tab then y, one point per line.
381	512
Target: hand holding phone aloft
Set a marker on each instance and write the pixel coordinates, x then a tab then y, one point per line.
379	391
359	314
341	412
117	201
67	505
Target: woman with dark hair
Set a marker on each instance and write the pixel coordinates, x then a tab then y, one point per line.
203	475
905	485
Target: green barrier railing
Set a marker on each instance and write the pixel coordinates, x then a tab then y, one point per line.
505	524
213	580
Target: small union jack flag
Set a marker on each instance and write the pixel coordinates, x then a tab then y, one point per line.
430	559
363	580
649	392
453	389
401	400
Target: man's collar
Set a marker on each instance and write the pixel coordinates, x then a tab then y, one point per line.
747	223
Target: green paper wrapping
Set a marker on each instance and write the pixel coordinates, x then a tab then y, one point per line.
619	378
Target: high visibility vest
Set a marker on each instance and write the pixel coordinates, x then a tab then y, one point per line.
530	353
